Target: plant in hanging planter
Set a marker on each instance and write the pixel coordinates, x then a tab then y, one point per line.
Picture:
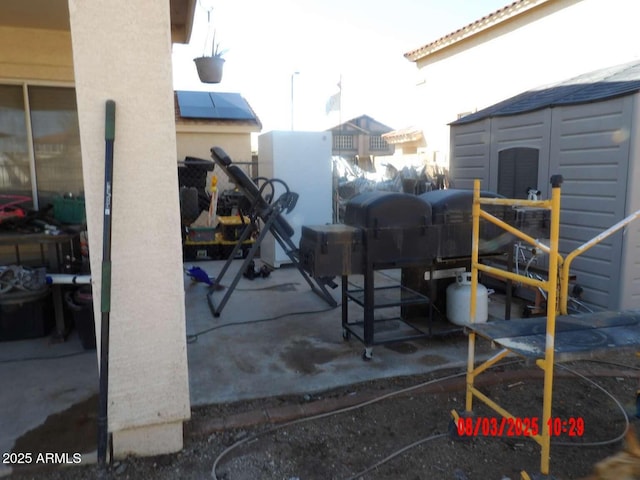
210	67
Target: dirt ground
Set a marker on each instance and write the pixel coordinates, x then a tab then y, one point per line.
348	445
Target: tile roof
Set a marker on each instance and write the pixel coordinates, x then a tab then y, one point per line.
356	124
488	21
594	86
409	134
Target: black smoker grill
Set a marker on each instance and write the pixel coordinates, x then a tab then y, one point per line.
385	230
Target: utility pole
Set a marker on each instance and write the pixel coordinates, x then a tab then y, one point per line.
292	75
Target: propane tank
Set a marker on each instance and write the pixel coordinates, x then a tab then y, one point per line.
459	301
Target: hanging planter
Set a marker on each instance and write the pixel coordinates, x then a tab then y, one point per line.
210	66
209	69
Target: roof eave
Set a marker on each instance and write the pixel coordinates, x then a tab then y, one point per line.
485	23
183	126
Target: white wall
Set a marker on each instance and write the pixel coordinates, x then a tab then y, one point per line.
122	51
558	43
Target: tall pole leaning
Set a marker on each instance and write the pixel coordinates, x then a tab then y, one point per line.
105	297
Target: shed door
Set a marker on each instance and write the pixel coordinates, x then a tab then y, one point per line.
517	171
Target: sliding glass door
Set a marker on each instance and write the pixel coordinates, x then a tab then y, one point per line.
43	148
15	159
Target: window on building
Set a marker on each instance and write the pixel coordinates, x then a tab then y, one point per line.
43	148
376	142
15	173
343	142
517	171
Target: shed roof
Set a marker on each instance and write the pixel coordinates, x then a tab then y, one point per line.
589	87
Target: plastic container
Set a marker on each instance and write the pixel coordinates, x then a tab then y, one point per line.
202	251
459	301
202	234
233	226
69	210
25	315
80	304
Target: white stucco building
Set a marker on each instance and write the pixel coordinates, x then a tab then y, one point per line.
523	45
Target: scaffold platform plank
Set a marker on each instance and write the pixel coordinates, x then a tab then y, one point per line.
576	336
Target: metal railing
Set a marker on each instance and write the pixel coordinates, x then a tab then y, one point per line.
564	275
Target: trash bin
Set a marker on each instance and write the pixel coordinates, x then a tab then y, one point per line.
26	314
80	304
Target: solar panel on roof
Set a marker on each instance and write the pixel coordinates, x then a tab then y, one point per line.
214	106
194	104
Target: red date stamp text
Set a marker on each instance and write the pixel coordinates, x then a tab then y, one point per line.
518	427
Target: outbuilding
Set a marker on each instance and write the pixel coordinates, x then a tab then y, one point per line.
588	130
224	119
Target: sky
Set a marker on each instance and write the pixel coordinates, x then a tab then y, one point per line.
357	43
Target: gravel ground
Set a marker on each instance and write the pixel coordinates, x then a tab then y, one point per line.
350	444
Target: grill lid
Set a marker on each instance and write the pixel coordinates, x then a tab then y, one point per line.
454	205
387	210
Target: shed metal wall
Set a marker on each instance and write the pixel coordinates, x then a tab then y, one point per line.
527	130
591	152
630	269
471	145
589	144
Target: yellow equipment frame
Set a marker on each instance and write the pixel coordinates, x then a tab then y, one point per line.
556	286
550	286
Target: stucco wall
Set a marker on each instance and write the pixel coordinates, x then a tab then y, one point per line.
122	51
554	42
28	54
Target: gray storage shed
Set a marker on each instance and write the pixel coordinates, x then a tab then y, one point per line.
588	130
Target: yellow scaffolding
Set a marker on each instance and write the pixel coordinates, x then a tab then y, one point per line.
550	286
556	286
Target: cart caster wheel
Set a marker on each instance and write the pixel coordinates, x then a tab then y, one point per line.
346	335
216	315
367	355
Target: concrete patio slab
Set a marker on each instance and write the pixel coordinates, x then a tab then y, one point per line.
274	337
